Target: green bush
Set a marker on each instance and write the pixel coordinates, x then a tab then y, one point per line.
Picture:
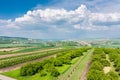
112	76
95	75
27	70
105	62
55	72
118	67
96	65
48	67
30	69
43	73
58	62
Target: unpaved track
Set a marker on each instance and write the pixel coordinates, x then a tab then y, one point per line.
84	75
19	65
75	71
18	54
2	77
8	49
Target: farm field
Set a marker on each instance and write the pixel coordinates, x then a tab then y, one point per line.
8	49
9	61
18	50
60	63
62	69
26	53
104	66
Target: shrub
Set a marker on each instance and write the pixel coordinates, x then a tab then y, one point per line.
97	65
105	62
48	67
118	67
27	70
43	73
58	62
112	76
30	69
37	67
55	72
95	75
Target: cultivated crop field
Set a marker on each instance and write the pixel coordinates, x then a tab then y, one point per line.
65	59
85	63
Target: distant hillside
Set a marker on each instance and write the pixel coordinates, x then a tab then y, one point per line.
8	40
35	42
105	42
15	38
53	43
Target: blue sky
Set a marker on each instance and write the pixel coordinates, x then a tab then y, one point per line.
60	19
15	8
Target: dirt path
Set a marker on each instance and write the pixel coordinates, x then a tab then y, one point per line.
83	77
2	77
8	49
19	65
76	70
18	54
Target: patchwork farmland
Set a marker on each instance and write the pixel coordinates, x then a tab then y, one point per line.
60	63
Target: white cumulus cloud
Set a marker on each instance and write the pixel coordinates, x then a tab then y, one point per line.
63	21
68	19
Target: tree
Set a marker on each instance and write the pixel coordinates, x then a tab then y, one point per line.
58	62
27	70
48	67
43	73
95	75
55	72
111	76
97	65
